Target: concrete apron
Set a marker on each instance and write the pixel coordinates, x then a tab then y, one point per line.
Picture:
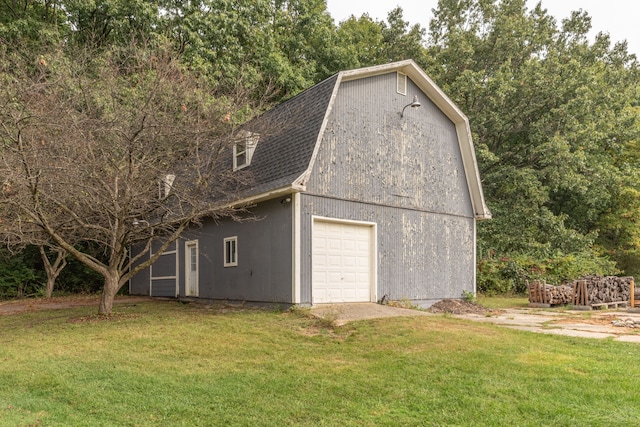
345	313
571	323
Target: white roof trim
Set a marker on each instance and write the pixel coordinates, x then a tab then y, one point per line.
442	101
278	192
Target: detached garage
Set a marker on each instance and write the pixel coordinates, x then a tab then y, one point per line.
362	188
344	261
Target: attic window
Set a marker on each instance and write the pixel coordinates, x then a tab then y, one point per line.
401	83
164	185
244	148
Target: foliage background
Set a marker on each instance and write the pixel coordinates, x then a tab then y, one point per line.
554	116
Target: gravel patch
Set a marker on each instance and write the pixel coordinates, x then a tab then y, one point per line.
454	306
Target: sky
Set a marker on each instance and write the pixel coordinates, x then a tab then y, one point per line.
619	18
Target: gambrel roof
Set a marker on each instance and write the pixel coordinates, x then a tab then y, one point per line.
285	155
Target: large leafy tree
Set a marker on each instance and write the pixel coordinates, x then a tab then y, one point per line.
552	117
365	41
279	46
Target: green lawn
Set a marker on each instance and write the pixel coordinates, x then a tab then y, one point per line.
501	301
167	363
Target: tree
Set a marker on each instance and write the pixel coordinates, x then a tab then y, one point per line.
113	148
53	269
552	116
371	42
18	236
288	45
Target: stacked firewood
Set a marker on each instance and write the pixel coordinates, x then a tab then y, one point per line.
542	293
589	290
602	290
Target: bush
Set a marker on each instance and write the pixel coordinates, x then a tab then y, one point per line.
509	274
18	274
22	274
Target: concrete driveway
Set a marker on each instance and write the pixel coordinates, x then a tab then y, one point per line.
573	323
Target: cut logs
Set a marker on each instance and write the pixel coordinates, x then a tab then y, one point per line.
590	291
603	290
542	293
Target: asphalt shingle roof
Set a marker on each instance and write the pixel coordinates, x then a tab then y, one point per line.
288	135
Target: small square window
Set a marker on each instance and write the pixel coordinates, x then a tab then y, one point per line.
231	251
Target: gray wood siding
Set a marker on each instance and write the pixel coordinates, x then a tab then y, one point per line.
264	270
370	154
139	284
422	256
164	267
163	288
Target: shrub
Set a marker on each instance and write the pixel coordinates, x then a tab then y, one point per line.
509	274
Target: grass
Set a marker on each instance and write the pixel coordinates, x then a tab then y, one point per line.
501	302
171	364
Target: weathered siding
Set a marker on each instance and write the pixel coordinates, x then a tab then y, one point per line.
370	154
422	256
405	174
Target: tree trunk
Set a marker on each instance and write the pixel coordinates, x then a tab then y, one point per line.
51	281
53	270
111	287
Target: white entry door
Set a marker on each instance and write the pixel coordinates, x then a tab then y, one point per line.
191	268
343	262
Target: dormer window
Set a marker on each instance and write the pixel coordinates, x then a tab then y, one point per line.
164	185
244	148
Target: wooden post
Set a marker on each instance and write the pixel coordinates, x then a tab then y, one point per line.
632	296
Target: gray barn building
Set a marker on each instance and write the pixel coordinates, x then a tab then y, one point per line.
367	186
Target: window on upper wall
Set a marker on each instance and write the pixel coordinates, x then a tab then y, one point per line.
231	251
243	149
164	185
401	83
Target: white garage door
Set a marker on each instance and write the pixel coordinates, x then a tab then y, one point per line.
342	262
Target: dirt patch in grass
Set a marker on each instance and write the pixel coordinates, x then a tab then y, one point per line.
37	304
454	306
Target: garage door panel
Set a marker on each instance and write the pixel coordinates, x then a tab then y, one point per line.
334	243
349	262
342	261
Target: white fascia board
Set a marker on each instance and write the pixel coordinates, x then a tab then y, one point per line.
256	198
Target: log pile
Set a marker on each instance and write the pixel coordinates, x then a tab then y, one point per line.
542	293
602	290
587	291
